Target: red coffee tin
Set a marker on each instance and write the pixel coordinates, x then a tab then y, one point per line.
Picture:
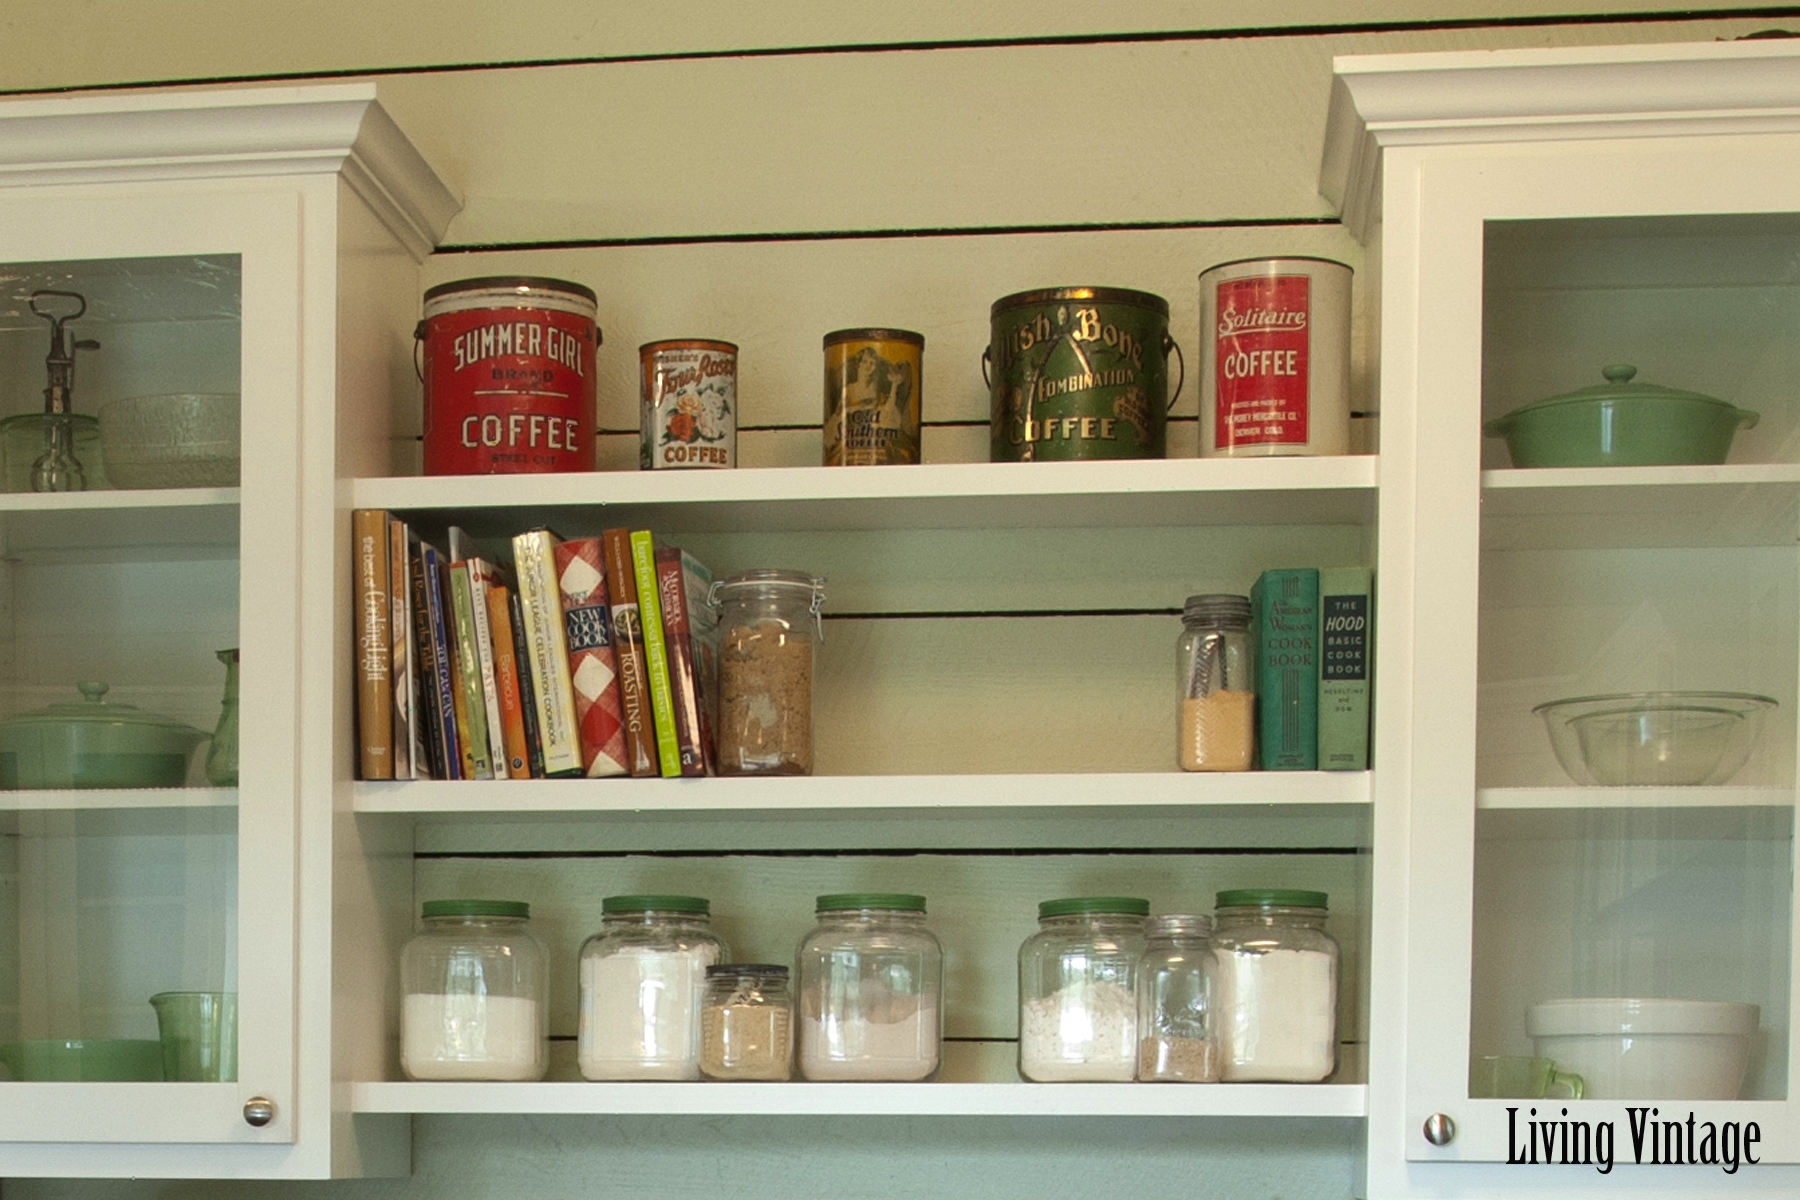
509	376
1275	334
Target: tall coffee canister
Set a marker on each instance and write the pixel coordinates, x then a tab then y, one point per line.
687	415
509	376
873	381
1078	373
1275	333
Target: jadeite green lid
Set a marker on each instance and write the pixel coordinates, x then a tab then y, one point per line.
93	709
1129	906
1621	384
651	902
848	901
1270	898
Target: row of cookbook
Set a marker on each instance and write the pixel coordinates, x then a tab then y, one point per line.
588	656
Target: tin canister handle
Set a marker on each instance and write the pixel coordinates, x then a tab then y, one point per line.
987	354
1169	344
419	351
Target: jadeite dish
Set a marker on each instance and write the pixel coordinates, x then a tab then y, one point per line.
93	743
84	1060
1621	423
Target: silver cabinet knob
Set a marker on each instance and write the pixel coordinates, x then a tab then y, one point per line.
1440	1130
258	1111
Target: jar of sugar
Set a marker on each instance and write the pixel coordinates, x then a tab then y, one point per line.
1077	990
476	985
642	977
1275	991
871	984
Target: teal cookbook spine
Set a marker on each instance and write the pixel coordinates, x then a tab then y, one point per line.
1284	614
1346	623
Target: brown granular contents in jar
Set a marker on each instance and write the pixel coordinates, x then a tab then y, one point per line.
765	700
1171	1059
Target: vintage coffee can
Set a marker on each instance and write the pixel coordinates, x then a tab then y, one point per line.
509	376
687	408
1276	336
1078	373
872	382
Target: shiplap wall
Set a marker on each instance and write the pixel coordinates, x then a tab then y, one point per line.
684	159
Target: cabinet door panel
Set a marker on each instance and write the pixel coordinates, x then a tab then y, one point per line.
1529	294
123	885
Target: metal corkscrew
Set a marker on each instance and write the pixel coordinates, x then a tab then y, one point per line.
57	469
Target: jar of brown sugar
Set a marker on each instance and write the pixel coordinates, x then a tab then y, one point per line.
769	627
747	1023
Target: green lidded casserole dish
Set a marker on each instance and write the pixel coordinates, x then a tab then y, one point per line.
93	743
1620	423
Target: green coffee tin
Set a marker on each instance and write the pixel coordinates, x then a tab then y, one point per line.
1078	373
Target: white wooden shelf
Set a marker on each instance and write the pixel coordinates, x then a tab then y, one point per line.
119	499
1173	492
877	1099
39	526
95	799
924	792
1634	797
1754	504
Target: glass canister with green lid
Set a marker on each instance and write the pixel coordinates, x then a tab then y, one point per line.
870	989
642	978
1077	990
476	985
1275	992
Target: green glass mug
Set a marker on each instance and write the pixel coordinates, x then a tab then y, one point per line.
199	1035
1521	1077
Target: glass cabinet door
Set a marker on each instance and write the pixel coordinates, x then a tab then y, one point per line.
1600	932
148	386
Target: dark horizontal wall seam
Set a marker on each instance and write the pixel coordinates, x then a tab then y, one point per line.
960	852
1238	33
832	235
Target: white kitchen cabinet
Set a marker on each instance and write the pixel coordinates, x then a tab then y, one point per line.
260	243
1540	215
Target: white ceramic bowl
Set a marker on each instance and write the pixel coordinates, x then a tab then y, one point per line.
1648	1049
187	439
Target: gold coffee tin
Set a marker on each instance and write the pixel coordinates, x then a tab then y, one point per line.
872	380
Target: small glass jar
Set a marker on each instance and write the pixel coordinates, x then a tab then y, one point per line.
768	627
747	1023
476	986
1174	990
1215	685
871	987
1077	990
642	978
1275	991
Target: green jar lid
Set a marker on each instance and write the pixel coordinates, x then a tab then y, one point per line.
845	901
1129	906
645	903
476	908
1270	898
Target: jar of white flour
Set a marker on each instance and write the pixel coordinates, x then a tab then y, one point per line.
1078	990
476	986
1275	994
642	978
